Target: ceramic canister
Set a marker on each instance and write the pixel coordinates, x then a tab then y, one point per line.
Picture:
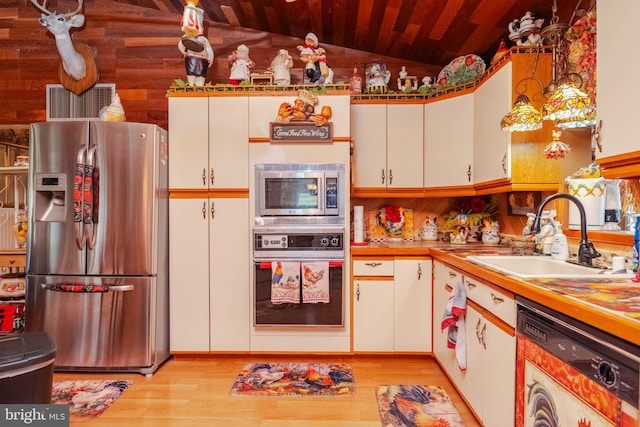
591	192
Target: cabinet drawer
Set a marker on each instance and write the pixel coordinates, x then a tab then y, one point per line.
447	275
499	304
373	267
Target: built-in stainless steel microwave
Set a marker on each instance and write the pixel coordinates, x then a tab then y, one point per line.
299	189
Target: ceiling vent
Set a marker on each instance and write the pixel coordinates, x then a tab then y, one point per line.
62	104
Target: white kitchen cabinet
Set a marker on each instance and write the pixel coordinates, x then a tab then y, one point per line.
373	315
210	246
492	100
209	275
209	142
448	142
488	383
189	275
392	305
412	305
389	140
616	95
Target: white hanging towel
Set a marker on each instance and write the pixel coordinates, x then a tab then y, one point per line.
285	282
453	321
315	282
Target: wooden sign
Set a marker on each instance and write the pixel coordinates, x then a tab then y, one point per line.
300	132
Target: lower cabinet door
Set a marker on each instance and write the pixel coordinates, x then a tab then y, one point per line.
373	315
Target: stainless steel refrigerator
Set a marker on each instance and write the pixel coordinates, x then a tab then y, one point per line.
97	251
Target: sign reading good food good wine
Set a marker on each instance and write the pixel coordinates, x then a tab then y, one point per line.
300	132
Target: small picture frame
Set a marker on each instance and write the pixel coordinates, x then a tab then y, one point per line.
522	202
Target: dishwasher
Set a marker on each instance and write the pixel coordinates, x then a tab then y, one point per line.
570	374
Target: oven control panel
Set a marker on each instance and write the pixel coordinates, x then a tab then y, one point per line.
296	242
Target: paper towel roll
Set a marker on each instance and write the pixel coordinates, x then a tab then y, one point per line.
358	224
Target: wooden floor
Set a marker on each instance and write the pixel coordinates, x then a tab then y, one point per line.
191	392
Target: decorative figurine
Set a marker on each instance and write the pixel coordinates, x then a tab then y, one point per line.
377	80
241	65
460	229
544	239
280	67
315	59
490	231
531	217
527	28
429	230
301	110
194	46
406	83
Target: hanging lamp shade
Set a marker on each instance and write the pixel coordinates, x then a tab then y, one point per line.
567	103
574	122
522	117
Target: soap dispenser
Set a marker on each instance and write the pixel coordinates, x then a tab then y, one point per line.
559	245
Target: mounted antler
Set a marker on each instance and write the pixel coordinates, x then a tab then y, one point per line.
78	72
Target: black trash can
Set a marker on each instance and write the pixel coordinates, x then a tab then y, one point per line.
26	367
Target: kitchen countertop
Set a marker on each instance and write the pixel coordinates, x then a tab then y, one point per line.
609	304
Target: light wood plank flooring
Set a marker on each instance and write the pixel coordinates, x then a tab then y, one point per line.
194	391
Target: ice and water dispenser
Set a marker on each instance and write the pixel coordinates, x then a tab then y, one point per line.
51	197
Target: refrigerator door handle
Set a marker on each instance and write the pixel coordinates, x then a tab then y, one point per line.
78	184
80	288
88	200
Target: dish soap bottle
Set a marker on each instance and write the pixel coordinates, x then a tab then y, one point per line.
559	245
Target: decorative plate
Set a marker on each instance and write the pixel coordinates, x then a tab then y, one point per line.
461	70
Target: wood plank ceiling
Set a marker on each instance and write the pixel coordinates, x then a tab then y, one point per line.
428	31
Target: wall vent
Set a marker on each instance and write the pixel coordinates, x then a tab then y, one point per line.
62	104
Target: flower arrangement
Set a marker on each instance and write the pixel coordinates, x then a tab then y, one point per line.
392	218
476	208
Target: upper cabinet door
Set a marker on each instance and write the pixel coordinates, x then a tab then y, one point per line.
448	152
369	133
617	95
188	142
405	145
228	142
492	100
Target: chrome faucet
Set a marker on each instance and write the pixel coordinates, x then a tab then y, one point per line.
586	251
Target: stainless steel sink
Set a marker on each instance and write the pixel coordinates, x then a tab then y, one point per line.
540	266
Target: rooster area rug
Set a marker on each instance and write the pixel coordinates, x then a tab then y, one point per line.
416	406
294	379
87	399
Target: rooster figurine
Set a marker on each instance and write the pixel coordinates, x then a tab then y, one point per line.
277	274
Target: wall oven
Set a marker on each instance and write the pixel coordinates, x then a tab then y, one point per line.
299	276
571	374
299	189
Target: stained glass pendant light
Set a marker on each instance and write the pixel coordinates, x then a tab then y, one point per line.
576	122
567	103
522	117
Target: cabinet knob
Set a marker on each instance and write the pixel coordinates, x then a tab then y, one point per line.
204	177
213	210
358	292
482	335
373	264
504	163
204	210
390	177
382	176
419	271
469	174
212	177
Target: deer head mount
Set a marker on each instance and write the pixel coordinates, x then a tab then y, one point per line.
78	71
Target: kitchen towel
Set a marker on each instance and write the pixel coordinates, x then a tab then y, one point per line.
315	282
453	321
285	282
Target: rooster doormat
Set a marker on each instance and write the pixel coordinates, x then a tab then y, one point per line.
88	399
294	379
416	405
